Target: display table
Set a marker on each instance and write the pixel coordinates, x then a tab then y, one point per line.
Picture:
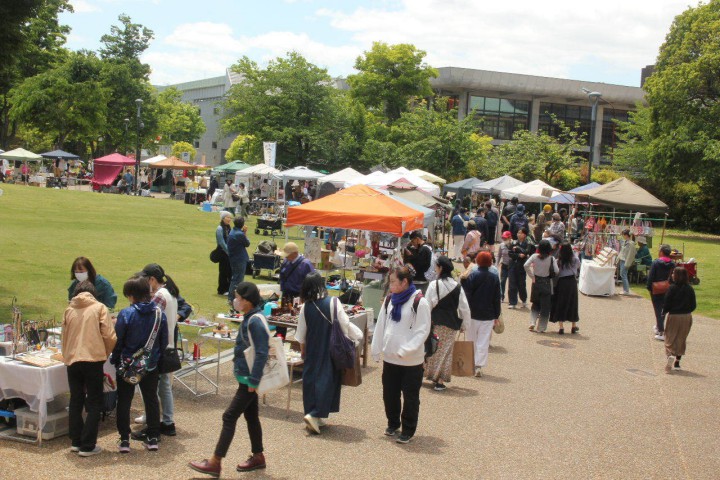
596	280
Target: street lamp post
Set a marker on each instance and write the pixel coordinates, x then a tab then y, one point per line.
138	145
594	98
125	145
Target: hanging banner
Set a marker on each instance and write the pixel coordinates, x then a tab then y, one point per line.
269	149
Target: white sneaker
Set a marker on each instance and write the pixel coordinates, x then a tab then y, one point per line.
512	307
322	422
140	420
670	363
92	452
524	304
655	330
660	337
478	371
311	423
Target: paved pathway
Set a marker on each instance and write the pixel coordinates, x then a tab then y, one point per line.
593	405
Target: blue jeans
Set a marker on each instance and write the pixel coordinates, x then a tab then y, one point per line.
238	276
624	276
166	398
504	274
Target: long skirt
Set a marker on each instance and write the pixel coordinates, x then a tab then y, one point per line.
565	301
439	366
677	328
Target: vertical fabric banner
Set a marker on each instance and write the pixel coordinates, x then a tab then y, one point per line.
269	149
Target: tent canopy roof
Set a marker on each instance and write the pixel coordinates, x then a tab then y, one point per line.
624	194
496	185
173	163
466	184
568	197
529	192
155	159
359	207
419	197
60	155
340	179
382	180
299	173
231	167
20	154
430	177
259	169
114	159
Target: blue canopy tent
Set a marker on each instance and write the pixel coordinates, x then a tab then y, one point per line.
59	155
461	187
568	197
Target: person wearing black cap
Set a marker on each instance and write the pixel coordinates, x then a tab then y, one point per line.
420	257
247	300
508	212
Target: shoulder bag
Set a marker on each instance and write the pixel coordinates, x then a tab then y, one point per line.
342	349
133	369
275	373
171	357
216	255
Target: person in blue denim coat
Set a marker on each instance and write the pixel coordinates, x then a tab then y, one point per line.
237	244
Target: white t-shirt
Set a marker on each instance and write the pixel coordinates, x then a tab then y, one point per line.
170	311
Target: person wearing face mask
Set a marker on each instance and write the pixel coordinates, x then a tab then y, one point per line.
82	269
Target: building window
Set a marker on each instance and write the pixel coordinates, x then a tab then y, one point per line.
570	114
501	116
609	139
199	110
216	111
214	145
196	143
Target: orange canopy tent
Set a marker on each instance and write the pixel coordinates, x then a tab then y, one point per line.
359	208
173	163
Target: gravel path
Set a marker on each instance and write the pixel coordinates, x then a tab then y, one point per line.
593	405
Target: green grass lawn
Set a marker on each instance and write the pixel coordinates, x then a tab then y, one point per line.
706	250
43	230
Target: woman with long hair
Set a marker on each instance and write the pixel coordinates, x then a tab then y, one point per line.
565	297
446	298
678	306
402	327
221	238
472	240
321	380
82	269
541	267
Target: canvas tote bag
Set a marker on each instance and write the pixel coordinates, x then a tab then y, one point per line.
275	374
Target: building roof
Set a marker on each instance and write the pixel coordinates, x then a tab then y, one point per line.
195	84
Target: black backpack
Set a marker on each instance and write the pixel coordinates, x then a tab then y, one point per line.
432	341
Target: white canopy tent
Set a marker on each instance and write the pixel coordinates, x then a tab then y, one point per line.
496	185
260	170
152	160
531	192
298	173
381	180
342	178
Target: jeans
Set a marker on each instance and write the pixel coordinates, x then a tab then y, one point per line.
86	391
244	402
517	284
657	302
238	276
400	380
166	398
624	276
504	274
126	392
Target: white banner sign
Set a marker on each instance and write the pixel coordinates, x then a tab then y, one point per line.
269	149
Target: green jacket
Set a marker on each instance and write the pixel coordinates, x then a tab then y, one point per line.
105	293
643	256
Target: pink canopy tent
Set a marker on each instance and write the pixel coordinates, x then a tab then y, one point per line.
107	168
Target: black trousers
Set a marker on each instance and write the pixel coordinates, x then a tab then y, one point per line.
400	380
86	391
224	274
126	392
517	283
244	402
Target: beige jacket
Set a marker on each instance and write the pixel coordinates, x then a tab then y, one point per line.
88	334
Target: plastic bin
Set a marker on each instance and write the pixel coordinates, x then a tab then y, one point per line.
207	207
57	424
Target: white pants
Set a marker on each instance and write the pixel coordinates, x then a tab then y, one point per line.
458	241
480	332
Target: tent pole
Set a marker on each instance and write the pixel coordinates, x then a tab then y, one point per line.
662	237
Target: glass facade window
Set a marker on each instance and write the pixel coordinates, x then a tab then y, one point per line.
609	130
501	116
570	114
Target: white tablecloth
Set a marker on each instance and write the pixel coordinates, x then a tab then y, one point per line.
596	280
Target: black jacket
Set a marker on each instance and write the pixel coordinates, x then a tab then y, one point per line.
482	290
517	248
660	270
679	299
421	259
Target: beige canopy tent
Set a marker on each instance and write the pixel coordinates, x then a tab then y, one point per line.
173	163
623	194
430	177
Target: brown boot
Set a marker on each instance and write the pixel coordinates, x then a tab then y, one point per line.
254	462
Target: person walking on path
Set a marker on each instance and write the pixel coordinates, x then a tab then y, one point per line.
229	190
482	290
678	305
482	225
518	221
459	230
471	245
565	297
520	251
626	258
237	244
134	328
247	300
88	339
542	268
660	271
321	380
503	262
402	327
449	313
222	232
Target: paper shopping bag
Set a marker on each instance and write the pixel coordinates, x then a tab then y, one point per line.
352	377
463	358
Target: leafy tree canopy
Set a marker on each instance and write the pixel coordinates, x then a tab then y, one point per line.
177	120
183	147
243	148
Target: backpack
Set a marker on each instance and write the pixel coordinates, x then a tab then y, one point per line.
431	274
517	222
432	341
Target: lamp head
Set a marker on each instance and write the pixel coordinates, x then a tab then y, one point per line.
139	102
594	96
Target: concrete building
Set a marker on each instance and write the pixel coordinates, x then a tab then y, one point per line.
505	101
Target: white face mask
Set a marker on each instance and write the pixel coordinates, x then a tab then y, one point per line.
81	276
236	305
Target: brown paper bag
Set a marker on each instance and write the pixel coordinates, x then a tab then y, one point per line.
463	359
352	377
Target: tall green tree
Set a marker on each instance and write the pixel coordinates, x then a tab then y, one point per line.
390	77
291	101
242	148
177	121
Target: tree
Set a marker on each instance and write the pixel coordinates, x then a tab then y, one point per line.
242	148
390	76
534	155
67	102
183	147
291	102
177	120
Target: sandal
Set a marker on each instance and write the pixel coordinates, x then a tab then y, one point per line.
575	329
561	331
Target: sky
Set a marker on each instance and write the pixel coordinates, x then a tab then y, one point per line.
607	41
